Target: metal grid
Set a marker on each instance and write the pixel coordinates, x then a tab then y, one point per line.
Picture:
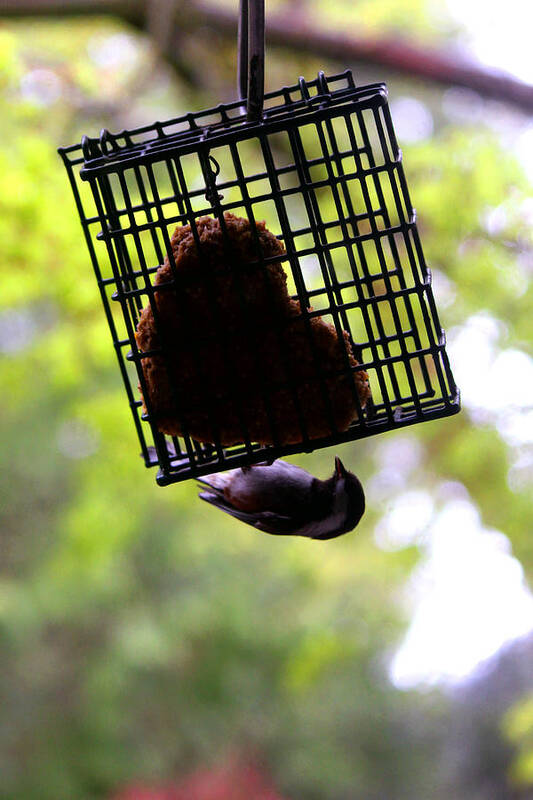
332	189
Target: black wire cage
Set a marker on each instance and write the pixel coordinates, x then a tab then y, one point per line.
331	188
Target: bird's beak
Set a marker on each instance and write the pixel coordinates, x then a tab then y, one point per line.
340	471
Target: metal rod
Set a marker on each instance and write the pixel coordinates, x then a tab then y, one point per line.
251	56
242	46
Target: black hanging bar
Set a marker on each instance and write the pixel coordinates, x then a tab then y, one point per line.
251	50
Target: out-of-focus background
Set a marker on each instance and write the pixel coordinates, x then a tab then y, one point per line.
150	647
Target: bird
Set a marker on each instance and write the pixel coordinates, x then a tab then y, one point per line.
283	499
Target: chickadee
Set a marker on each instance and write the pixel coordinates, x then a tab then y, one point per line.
284	499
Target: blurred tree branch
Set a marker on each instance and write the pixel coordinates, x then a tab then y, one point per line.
293	30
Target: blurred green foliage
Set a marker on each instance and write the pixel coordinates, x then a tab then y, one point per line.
142	633
518	727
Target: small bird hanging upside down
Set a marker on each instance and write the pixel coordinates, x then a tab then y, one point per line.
286	500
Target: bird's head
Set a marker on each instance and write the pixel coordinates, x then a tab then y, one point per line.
348	496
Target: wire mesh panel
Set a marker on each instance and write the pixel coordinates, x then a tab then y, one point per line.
279	310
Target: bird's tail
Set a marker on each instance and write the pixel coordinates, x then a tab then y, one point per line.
217	481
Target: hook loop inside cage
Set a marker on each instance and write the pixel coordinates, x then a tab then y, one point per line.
211	170
216	166
251	62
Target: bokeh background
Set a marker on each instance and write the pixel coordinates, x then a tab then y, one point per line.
153	649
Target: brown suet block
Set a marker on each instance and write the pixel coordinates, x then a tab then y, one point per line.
238	358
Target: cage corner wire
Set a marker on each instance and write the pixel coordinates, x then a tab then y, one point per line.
333	190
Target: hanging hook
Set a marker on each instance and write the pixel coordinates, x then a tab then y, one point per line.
251	63
211	170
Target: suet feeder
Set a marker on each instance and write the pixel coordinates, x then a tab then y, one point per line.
240	342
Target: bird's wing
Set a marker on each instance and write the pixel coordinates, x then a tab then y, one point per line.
264	520
281	489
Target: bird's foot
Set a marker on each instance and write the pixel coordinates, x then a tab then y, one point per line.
267	463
